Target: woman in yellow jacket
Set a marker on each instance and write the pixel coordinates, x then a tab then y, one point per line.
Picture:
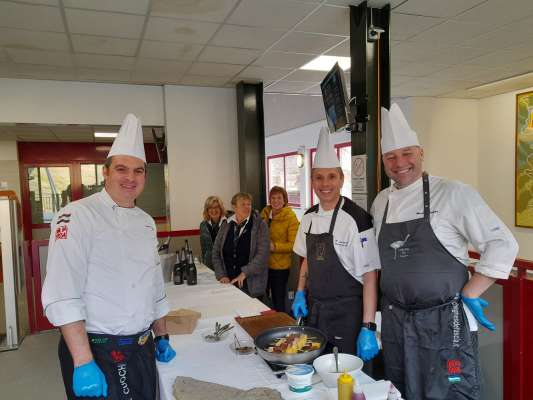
283	226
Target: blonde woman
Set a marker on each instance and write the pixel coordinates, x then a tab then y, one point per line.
283	226
214	216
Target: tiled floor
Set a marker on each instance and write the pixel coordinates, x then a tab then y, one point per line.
32	371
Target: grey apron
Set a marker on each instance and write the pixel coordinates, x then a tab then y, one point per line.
335	296
428	349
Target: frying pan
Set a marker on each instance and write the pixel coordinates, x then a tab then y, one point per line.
269	336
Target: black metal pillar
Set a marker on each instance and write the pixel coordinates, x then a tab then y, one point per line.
251	134
370	85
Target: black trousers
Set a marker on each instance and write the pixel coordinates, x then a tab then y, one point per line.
277	287
128	363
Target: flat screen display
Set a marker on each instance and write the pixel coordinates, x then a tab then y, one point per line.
335	99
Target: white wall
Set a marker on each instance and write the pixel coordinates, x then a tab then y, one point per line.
9	167
497	162
57	102
203	156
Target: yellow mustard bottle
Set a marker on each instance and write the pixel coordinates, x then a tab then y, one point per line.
345	386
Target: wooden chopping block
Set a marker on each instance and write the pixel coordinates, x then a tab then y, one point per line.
257	324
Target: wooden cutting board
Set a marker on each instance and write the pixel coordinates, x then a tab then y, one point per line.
258	324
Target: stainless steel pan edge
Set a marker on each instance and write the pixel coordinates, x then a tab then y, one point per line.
270	335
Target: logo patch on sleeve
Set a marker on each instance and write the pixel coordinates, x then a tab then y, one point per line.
61	232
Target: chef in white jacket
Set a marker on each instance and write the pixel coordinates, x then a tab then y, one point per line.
104	286
430	305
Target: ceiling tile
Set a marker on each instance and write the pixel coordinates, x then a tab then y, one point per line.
170	51
264	74
328	19
246	37
437	8
103	75
301	75
125	6
212	69
498	12
24	56
155	77
283	60
54	3
30	17
194	80
403	26
104	45
504	38
288	86
472	73
104	23
371	3
163	66
199	10
168	29
315	89
417	69
452	32
434	53
45	72
503	58
267	13
104	61
342	50
299	42
228	55
20	39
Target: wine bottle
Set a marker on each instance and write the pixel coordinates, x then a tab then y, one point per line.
191	270
178	271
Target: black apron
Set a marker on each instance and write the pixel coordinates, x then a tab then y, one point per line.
428	349
335	296
128	363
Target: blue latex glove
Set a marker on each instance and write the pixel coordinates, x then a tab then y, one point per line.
163	351
476	305
89	380
367	344
299	306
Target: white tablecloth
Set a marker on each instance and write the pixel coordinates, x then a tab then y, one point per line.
216	362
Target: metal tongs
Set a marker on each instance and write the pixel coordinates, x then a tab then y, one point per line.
219	331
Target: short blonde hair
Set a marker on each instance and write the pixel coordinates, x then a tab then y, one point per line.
241	196
210	202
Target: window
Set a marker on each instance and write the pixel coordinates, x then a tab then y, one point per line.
283	171
49	190
344	152
92	180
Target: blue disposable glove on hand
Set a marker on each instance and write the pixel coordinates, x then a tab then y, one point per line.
367	344
299	306
476	305
163	351
89	380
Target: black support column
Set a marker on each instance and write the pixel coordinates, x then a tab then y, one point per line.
370	85
251	129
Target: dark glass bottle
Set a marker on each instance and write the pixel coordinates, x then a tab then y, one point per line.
191	270
183	262
178	271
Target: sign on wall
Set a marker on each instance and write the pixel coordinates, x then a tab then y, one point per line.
524	160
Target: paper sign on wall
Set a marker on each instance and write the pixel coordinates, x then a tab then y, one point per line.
361	199
359	174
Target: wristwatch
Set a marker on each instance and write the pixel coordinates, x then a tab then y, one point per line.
158	338
369	325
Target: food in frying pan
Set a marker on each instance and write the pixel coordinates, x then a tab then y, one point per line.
293	343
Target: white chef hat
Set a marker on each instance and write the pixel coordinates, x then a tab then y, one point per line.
129	141
395	130
326	156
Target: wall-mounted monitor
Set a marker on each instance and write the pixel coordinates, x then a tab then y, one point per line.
335	99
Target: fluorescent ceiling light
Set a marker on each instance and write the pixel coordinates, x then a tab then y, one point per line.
325	63
105	134
501	81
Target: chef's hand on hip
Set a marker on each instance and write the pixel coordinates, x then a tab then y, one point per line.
164	351
89	380
299	306
476	305
367	344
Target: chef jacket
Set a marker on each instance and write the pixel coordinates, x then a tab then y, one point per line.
458	216
103	267
357	250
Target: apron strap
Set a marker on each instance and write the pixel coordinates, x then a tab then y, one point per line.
333	218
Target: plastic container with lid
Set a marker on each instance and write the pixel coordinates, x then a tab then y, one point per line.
299	377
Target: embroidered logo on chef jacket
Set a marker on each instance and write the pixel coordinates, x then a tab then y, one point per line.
125	341
320	251
143	338
117	356
454	370
399	248
343	243
61	232
99	340
63	219
363	240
